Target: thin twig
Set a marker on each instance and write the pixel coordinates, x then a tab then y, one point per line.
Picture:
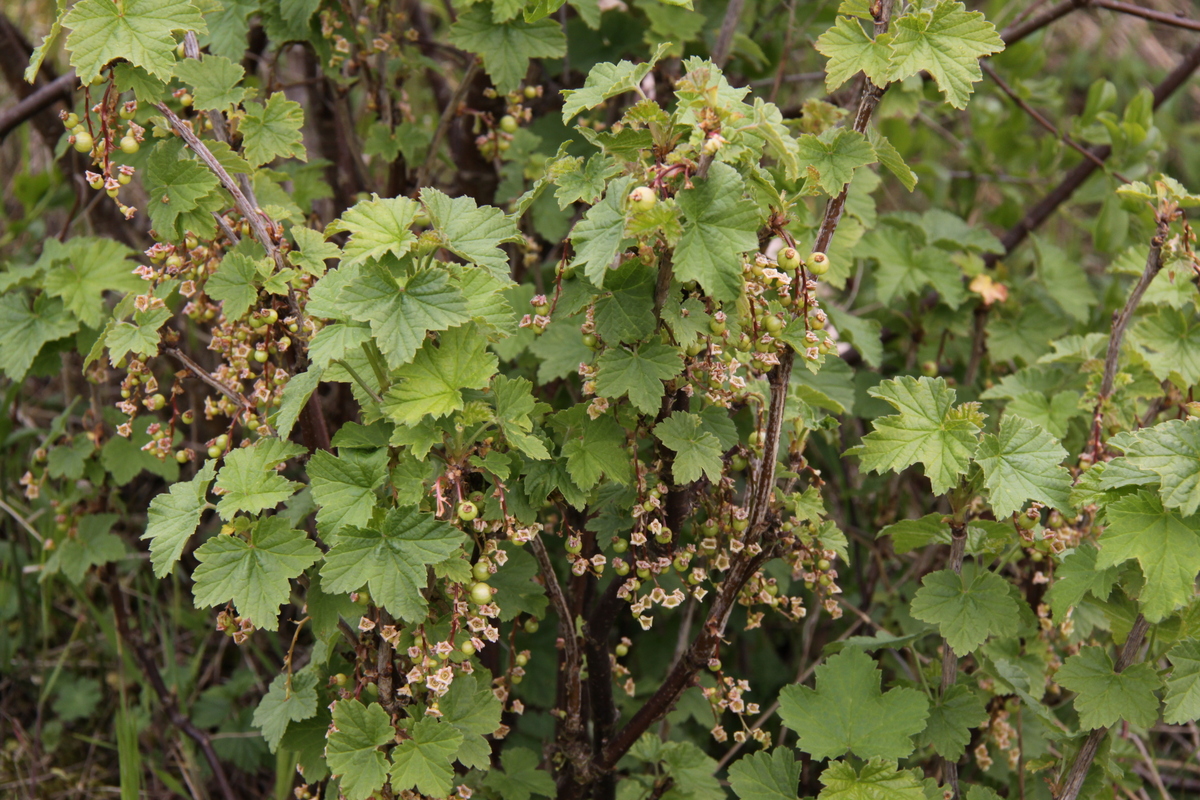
958	548
448	115
1083	761
1154	776
60	88
1154	264
764	477
733	13
1018	31
566	629
1174	20
202	374
1045	123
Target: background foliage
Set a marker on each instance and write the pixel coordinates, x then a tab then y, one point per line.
600	399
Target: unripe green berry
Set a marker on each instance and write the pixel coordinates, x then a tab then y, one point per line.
642	198
467	511
622	650
129	145
481	593
818	263
531	625
508	123
788	258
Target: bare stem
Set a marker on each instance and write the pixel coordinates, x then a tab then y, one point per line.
1154	263
1162	17
1083	761
203	375
448	115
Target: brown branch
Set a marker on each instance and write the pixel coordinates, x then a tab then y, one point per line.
1083	761
1174	20
1015	33
779	378
448	115
733	12
1154	264
155	679
254	216
703	648
573	721
60	88
958	548
384	668
202	374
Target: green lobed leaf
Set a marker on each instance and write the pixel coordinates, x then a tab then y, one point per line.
89	545
1169	340
1104	696
256	574
951	718
291	698
27	329
697	452
719	229
639	373
929	430
506	47
517	590
401	315
1183	684
520	777
425	760
1170	450
766	776
376	227
214	81
175	184
597	238
391	559
353	749
967	608
1078	575
1165	544
312	251
850	51
471	707
947	41
343	486
137	31
91	266
173	517
273	130
835	155
607	80
248	481
433	383
235	284
1023	463
848	712
475	233
594	448
877	780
